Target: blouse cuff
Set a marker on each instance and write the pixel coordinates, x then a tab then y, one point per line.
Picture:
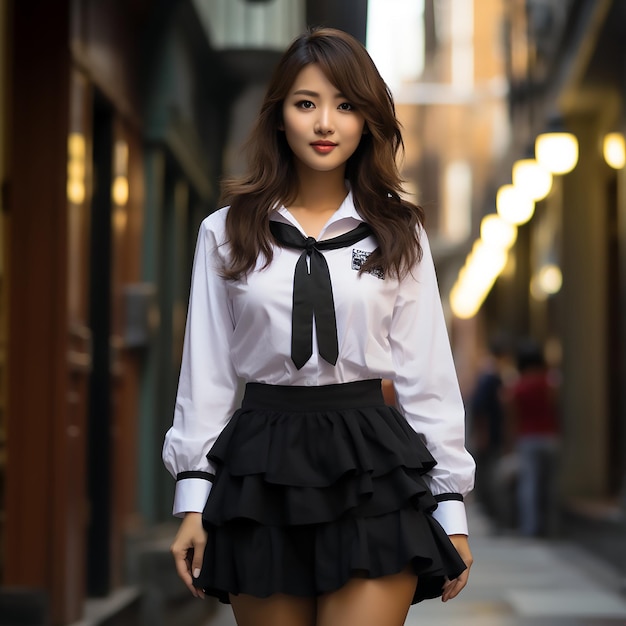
452	517
191	495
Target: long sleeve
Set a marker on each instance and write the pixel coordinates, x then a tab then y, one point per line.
207	386
428	391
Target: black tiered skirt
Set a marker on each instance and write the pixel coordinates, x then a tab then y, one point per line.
317	485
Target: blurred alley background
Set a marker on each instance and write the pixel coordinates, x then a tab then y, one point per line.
118	119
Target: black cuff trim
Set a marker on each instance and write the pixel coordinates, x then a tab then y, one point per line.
445	497
203	475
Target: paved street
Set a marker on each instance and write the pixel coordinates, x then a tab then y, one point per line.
521	582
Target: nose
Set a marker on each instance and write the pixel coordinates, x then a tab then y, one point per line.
324	122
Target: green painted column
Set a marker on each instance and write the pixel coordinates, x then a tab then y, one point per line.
583	320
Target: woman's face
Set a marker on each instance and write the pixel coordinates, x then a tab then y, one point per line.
322	128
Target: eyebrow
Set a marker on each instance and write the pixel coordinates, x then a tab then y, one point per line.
314	94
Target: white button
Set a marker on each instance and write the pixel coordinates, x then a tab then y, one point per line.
309	383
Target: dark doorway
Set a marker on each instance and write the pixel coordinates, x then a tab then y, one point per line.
99	438
616	466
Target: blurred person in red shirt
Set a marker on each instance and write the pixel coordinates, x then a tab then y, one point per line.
533	408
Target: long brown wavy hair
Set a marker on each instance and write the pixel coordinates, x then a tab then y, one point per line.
371	171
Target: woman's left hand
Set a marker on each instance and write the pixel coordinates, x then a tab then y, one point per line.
452	588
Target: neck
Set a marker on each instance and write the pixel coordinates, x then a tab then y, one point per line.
321	191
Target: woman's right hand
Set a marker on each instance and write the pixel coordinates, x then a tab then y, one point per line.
188	550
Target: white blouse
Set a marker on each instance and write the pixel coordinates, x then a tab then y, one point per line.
241	331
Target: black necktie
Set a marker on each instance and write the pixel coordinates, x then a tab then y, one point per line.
313	291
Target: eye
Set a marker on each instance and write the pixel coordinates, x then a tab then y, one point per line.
305	104
346	106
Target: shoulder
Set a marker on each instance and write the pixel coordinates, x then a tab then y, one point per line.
216	220
212	238
214	225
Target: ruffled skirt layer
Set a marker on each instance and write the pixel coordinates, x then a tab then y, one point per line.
318	485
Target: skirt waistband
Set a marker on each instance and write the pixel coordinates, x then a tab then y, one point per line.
360	393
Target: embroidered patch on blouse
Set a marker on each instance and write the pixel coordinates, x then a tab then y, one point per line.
359	257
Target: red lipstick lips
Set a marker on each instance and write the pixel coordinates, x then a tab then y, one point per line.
324	147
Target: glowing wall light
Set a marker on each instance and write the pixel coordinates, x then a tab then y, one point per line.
614	150
556	149
546	282
119	191
119	187
532	179
513	206
463	303
550	278
496	232
482	267
76	151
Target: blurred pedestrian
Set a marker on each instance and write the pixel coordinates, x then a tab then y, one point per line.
533	404
316	502
487	428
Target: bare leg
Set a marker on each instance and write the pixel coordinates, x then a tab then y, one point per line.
362	602
277	610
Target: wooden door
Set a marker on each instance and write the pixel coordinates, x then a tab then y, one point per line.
49	340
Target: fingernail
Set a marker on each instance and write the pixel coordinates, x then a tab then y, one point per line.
196	572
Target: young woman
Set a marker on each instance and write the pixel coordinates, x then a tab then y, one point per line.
315	502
